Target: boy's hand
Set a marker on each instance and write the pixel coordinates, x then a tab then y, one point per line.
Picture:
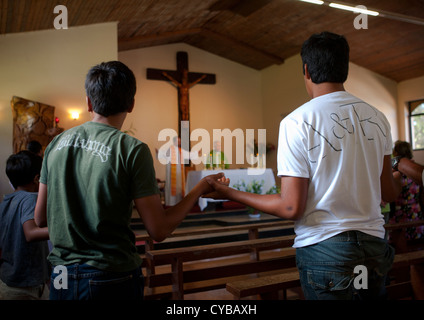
217	184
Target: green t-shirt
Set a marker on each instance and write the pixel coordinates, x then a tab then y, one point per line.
92	173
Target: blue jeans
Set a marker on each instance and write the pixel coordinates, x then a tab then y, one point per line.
327	269
85	282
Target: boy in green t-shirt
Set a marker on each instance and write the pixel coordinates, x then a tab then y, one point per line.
92	175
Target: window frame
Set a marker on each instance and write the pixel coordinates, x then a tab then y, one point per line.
411	116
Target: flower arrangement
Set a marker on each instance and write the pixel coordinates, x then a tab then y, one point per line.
254	187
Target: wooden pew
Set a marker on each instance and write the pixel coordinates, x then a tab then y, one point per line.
179	277
403	225
267	286
397	235
183	281
252	229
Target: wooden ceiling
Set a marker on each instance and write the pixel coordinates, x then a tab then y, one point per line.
255	33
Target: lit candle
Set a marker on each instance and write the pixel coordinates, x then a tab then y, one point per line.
217	161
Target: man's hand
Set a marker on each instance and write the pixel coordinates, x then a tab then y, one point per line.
160	223
217	186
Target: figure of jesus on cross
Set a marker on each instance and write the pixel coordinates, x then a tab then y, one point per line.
183	87
183	80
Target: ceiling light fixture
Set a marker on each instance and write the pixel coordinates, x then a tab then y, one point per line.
354	9
380	13
314	1
344	7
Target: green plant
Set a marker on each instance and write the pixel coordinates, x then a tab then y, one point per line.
252	187
273	190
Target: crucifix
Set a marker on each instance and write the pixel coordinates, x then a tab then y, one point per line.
183	80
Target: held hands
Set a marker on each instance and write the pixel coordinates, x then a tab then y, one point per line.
216	186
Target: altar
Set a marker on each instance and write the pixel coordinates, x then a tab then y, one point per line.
237	176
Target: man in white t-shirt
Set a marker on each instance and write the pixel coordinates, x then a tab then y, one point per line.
334	163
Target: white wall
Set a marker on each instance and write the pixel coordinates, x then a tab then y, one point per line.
283	90
377	91
49	67
233	102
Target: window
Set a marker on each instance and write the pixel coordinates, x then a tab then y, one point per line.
416	123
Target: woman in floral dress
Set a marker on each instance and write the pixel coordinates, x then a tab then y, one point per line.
408	206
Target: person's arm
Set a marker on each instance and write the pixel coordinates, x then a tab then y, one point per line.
160	223
40	214
390	184
411	169
289	204
33	232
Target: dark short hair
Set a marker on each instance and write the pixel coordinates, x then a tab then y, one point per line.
22	167
403	149
111	87
34	146
326	55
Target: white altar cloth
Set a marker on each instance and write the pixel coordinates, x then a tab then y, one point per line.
236	176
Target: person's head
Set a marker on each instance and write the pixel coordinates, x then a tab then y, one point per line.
217	145
35	147
23	168
326	56
402	149
110	87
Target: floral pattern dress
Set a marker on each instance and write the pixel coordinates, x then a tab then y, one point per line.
408	207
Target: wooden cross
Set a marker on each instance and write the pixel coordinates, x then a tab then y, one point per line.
183	80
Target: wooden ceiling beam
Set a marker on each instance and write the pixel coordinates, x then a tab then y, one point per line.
242	46
242	7
181	35
146	40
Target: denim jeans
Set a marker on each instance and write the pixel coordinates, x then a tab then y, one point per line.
327	269
85	282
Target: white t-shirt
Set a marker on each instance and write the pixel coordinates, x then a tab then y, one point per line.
338	142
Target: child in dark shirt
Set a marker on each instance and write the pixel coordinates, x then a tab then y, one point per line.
24	269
